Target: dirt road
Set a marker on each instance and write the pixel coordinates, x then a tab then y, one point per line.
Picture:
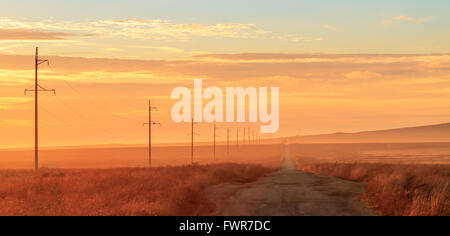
289	192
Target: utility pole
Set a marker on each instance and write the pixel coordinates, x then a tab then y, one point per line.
192	140
244	137
150	123
237	138
249	140
36	89
228	141
253	136
150	134
36	111
215	140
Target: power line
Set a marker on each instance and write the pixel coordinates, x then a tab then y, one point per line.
94	105
72	110
92	102
192	134
192	141
215	128
65	122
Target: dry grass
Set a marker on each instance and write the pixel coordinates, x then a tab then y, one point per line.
111	192
392	153
393	189
397	190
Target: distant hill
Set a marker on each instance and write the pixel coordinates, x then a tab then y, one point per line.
431	133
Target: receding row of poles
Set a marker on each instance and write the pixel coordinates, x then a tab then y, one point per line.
248	133
38	88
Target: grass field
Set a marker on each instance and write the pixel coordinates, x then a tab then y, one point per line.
111	192
402	179
96	186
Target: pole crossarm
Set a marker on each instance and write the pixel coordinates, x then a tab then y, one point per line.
153	123
42	89
39	62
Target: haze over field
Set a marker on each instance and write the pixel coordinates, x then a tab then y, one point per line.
418	145
137	157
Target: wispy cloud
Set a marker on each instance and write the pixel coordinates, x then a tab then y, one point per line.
16	122
156	29
160	48
113	49
346	85
226	67
9	48
11	102
29	34
329	27
296	38
404	18
131	28
363	75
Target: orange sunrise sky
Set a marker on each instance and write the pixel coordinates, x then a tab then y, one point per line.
348	67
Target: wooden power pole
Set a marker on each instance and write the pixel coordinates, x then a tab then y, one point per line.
36	110
243	140
150	124
249	136
150	134
36	90
215	141
228	141
237	138
192	141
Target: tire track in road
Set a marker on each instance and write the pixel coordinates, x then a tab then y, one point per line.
290	192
